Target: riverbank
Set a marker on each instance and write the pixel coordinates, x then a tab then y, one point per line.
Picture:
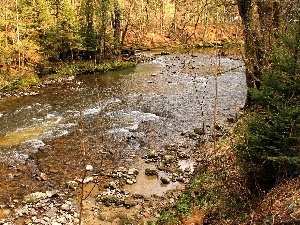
51	73
218	192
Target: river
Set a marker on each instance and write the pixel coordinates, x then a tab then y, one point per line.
113	119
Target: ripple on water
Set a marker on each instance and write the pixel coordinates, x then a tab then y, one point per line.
130	121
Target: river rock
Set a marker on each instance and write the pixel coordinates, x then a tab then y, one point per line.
122	169
34	197
133	171
86	180
165	180
168	158
56	223
43	176
72	184
151	172
62	220
129	202
51	212
151	154
89	168
199	131
66	207
129	181
53	193
112	185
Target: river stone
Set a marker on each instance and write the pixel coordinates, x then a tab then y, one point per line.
53	193
112	185
50	213
151	154
151	172
62	219
133	171
72	184
129	202
56	223
34	197
161	166
168	158
88	179
89	168
199	131
165	180
66	207
128	181
122	169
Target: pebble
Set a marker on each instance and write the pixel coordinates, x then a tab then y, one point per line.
89	168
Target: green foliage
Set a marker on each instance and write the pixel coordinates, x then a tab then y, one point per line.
270	149
206	192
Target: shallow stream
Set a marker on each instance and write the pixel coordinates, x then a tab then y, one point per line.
119	116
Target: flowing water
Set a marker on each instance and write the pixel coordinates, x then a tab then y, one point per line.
122	114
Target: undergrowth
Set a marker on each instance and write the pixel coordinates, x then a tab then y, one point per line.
217	190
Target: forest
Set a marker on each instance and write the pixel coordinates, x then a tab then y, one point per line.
252	175
37	34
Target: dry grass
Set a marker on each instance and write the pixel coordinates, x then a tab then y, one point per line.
280	206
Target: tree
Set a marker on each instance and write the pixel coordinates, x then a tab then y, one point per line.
262	20
269	146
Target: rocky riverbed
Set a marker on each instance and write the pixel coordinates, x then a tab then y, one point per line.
118	200
115	149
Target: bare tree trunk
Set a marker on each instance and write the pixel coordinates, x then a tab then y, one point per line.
18	35
261	20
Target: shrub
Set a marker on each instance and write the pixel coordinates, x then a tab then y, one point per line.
270	149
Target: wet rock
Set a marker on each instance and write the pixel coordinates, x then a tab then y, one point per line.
89	168
165	180
129	202
151	154
53	193
72	184
128	181
43	176
133	171
168	158
109	200
151	172
34	197
199	131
